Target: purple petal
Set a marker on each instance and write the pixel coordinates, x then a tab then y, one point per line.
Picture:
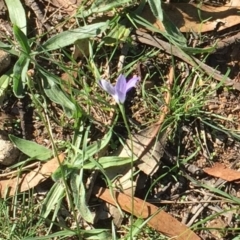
121	89
132	83
107	87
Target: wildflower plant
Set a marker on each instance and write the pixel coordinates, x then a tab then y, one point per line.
119	92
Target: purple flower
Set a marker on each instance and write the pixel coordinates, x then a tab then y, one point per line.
121	88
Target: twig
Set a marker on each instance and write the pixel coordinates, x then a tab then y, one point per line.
207	198
156	201
170	49
124	51
227	41
15	172
22	117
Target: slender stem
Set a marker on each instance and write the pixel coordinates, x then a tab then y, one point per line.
122	110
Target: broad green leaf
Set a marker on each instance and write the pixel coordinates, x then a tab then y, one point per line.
55	94
19	75
103	5
109	161
69	37
79	196
31	149
17	14
156	8
22	39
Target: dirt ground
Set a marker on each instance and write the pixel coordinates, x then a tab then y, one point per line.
185	199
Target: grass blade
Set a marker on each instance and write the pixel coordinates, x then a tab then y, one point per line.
55	93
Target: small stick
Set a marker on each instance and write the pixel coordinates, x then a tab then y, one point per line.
22	118
173	50
227	41
15	172
201	206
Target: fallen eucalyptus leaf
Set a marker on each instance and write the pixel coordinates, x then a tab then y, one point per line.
147	147
25	181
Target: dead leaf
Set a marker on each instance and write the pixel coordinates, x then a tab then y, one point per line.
220	171
70	6
219	224
29	180
160	221
148	162
186	16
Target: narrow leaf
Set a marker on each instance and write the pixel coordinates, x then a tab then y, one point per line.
69	37
4	82
174	33
19	75
17	14
107	162
22	39
79	197
156	8
31	149
52	200
92	149
55	94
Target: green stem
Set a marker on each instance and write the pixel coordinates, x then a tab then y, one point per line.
122	110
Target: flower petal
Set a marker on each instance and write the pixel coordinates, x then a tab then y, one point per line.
108	87
131	83
121	88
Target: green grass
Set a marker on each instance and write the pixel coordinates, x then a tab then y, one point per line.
79	107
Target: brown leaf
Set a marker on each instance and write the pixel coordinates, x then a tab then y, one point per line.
220	226
146	147
160	220
70	6
29	180
220	171
186	16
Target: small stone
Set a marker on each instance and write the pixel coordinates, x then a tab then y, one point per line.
5	60
8	153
